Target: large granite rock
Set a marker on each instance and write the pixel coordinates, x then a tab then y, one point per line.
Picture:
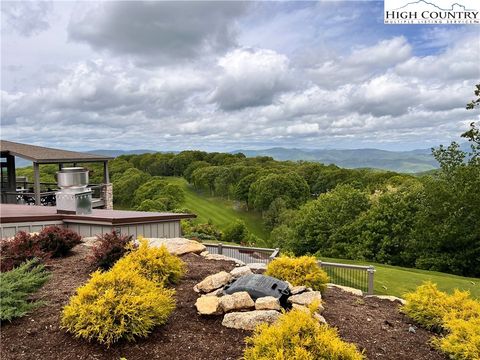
250	319
267	303
240	271
213	282
178	246
306	298
237	301
208	305
294	290
305	309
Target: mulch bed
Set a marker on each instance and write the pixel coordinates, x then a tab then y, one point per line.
374	325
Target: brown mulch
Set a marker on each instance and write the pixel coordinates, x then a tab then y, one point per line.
374	325
377	327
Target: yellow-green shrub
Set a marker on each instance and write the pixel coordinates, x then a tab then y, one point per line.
155	263
297	271
118	304
429	306
463	339
298	336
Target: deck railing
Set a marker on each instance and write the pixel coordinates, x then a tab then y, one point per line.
356	276
25	195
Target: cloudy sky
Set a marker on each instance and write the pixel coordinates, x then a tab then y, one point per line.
229	75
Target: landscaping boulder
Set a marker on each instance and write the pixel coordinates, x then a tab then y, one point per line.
347	289
306	298
237	301
208	305
240	271
257	266
178	246
306	309
297	289
213	282
250	319
267	303
223	258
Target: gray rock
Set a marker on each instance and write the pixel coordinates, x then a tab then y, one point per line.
257	266
250	319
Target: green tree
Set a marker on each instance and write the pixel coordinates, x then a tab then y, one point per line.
236	232
290	186
125	186
318	220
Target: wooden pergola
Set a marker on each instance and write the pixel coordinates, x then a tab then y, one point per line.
42	155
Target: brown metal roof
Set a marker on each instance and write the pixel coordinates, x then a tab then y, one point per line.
12	213
40	154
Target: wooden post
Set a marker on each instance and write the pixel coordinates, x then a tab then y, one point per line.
106	177
60	166
371	273
11	179
36	183
220	248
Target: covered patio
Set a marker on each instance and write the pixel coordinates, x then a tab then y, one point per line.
20	191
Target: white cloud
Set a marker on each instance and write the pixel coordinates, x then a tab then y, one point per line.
26	18
250	77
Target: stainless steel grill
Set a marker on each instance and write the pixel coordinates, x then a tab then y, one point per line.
74	197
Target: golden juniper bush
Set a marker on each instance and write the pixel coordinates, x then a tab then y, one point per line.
128	300
457	316
303	270
297	335
155	263
117	304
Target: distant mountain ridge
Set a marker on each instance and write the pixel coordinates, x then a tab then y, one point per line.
402	161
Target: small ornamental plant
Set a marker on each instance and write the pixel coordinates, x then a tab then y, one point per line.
58	241
297	335
22	247
154	263
109	248
117	304
17	285
456	316
299	271
430	307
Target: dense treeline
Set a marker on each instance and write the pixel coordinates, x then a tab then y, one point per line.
429	222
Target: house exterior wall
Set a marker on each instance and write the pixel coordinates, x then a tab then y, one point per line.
166	229
10	229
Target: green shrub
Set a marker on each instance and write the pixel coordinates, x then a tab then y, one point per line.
205	231
118	304
58	241
108	249
17	285
298	271
236	232
22	247
154	263
298	336
429	306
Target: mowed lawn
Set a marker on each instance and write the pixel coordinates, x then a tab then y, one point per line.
396	280
220	211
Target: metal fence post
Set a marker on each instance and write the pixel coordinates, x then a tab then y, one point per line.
371	273
220	248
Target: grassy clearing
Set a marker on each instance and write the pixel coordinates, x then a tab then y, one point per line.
220	211
396	280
